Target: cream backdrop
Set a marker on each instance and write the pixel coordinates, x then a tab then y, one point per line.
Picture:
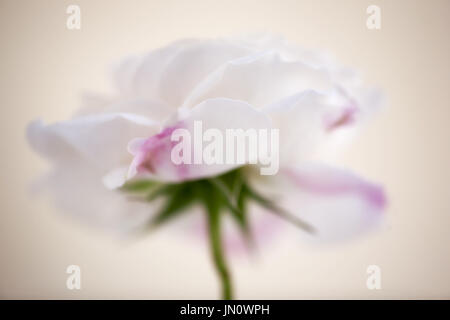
44	68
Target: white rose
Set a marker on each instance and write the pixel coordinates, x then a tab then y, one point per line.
256	82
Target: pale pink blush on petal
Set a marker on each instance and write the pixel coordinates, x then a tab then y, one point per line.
153	156
345	117
135	145
336	183
338	204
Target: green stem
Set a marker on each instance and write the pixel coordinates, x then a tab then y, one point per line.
217	250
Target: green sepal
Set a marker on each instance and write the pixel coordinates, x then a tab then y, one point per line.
272	207
179	198
139	185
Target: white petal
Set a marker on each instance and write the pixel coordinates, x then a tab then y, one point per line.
337	203
220	114
170	73
260	80
224	114
100	139
312	123
139	75
78	191
115	178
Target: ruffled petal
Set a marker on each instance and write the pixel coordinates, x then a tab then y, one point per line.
309	120
139	76
260	79
153	157
170	73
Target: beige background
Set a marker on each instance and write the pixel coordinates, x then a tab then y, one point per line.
44	67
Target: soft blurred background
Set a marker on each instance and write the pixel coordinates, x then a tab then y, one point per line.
44	67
